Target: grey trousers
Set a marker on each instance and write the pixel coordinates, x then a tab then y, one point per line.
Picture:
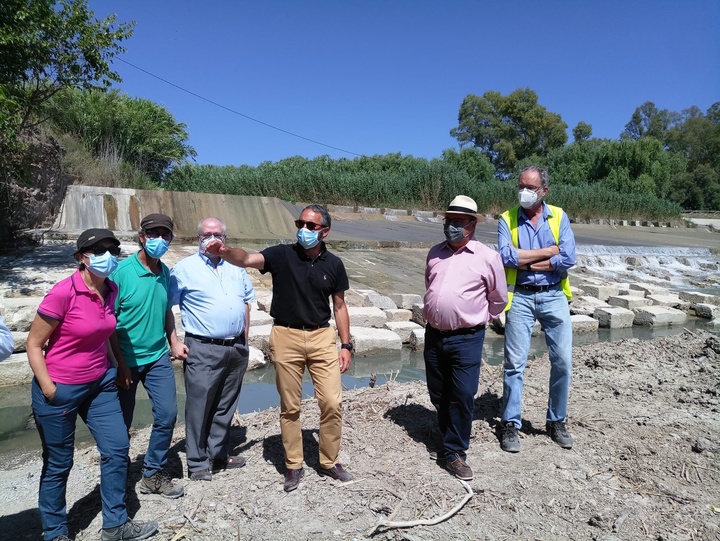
213	377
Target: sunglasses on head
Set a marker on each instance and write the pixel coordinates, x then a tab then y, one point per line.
100	250
312	226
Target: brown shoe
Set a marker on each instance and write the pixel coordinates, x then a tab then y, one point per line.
338	473
460	469
292	479
229	463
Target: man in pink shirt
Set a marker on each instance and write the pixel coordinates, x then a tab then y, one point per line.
465	288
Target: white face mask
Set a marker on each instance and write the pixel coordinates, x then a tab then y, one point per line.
527	198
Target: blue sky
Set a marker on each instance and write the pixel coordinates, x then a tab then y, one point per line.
377	77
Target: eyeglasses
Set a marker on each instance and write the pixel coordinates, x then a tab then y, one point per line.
535	189
312	226
100	250
457	222
155	233
207	236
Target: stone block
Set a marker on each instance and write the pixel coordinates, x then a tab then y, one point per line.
398	314
263	298
15	370
657	316
403	329
406	301
259	337
354	298
417	314
586	305
628	301
259	317
379	301
670	300
614	317
497	325
583	324
20	338
19	312
695	297
257	359
601	292
632	293
368	340
707	311
417	339
366	316
649	289
576	291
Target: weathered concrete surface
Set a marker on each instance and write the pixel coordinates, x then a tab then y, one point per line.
259	317
601	292
417	339
417	314
670	300
379	301
19	312
628	301
405	300
697	297
398	314
585	305
15	370
614	317
649	289
707	311
368	340
583	324
403	329
366	316
259	337
659	316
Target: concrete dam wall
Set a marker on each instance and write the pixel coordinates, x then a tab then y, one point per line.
122	209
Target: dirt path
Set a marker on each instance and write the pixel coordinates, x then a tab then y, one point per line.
645	416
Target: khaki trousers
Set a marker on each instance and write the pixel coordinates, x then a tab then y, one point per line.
293	350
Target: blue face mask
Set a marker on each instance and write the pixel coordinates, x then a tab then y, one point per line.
156	248
102	265
307	238
454	234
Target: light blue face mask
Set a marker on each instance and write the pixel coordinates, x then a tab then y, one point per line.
102	265
156	248
307	238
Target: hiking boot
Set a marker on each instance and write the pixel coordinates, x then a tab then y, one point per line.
201	475
510	440
160	483
460	469
559	434
132	530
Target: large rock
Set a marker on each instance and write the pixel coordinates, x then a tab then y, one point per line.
707	311
628	301
19	312
417	314
15	370
585	305
263	299
260	317
581	324
697	297
379	301
614	317
403	329
406	301
366	317
659	316
671	301
257	359
601	292
20	338
398	314
417	339
259	337
368	340
649	289
354	298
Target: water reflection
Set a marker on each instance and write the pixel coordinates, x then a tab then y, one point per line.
259	391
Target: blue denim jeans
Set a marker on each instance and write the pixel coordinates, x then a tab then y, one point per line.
98	406
158	379
551	309
452	365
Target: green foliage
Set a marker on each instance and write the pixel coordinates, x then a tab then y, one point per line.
509	128
647	121
137	132
582	132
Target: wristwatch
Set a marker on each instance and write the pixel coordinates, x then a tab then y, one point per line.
349	347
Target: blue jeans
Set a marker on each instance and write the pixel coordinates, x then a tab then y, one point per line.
551	309
452	365
98	406
158	379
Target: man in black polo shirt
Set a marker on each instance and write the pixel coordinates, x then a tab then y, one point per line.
305	275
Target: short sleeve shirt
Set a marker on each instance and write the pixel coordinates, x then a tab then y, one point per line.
302	286
77	349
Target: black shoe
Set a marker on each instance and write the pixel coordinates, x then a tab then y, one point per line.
559	434
132	530
338	473
510	439
201	475
460	469
292	479
229	463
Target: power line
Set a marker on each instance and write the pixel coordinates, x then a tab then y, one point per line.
234	111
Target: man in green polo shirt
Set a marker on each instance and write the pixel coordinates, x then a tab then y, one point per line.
145	325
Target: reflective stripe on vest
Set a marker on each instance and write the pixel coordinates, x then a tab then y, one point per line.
511	219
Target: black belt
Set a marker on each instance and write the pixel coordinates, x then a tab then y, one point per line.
217	341
536	289
302	327
465	330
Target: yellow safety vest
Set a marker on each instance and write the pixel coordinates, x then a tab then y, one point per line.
511	219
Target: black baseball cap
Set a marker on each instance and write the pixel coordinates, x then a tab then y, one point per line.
91	237
151	221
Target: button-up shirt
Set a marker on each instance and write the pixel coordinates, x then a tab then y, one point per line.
212	299
532	238
464	288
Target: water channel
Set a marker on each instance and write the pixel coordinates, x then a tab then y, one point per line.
17	432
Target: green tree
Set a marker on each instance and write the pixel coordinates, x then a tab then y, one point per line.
582	132
647	121
472	161
509	128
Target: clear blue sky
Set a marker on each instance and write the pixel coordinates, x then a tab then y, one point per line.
382	76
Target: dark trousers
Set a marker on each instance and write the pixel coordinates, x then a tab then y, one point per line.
213	378
452	365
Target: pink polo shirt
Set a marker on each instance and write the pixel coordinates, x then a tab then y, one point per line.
77	349
464	288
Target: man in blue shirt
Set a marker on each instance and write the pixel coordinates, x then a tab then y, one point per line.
214	299
7	343
537	248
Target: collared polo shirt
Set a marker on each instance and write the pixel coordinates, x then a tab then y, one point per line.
140	310
77	349
212	299
302	286
464	288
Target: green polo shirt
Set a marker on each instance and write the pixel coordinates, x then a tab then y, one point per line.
140	310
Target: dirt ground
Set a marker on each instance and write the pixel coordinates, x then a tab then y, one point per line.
645	416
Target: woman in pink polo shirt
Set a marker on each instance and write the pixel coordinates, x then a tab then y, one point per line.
74	376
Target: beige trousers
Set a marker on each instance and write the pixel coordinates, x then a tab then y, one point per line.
293	350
